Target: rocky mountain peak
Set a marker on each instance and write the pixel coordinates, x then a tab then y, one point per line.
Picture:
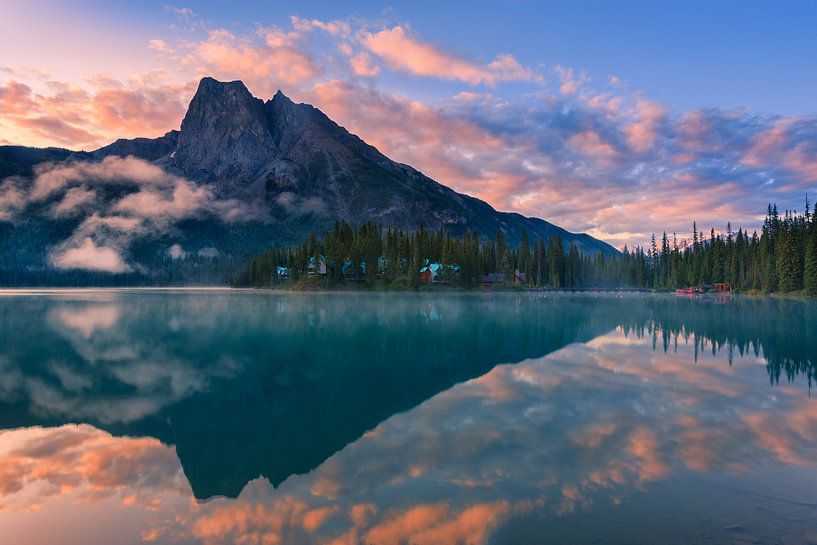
225	133
279	95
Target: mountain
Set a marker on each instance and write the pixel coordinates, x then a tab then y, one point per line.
295	169
256	150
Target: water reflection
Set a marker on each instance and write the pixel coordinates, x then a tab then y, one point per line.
457	451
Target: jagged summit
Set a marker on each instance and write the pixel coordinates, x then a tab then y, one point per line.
279	94
224	134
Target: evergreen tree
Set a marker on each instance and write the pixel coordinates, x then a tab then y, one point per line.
810	273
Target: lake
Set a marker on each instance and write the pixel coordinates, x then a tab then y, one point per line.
218	416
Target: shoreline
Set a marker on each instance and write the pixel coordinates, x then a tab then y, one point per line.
57	290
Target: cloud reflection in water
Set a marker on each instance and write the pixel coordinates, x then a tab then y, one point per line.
593	425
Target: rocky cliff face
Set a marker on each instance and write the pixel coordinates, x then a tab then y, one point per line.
305	171
225	136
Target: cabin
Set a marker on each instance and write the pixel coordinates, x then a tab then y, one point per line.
352	273
519	278
431	272
717	288
492	279
452	271
316	267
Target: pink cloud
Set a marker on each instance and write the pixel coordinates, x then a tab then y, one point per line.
16	99
335	28
432	524
159	45
263	67
606	102
802	160
570	84
89	256
74	201
778	146
363	65
75	117
13	198
406	53
641	134
84	464
285	520
590	143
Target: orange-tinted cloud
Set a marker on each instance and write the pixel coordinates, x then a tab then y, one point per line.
436	524
86	464
403	52
590	143
264	66
363	65
74	117
641	135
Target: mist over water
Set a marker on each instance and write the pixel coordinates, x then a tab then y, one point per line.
197	416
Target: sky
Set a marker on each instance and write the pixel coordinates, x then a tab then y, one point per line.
619	119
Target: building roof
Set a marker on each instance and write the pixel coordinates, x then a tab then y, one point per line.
433	268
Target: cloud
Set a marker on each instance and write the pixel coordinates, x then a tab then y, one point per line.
363	65
95	114
641	135
90	257
335	28
176	252
294	204
12	198
403	52
435	523
147	202
570	85
617	170
185	200
89	319
84	464
209	252
589	142
74	202
51	178
263	65
285	520
159	45
789	144
16	98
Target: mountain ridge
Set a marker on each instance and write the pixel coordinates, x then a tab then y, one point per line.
298	166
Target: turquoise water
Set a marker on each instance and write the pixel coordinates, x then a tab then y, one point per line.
208	416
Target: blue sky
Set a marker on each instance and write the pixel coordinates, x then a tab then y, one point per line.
615	118
751	54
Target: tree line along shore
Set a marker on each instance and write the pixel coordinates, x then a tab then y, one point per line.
781	258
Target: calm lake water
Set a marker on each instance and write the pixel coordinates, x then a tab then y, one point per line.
262	418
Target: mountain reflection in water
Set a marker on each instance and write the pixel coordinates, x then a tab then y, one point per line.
379	418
